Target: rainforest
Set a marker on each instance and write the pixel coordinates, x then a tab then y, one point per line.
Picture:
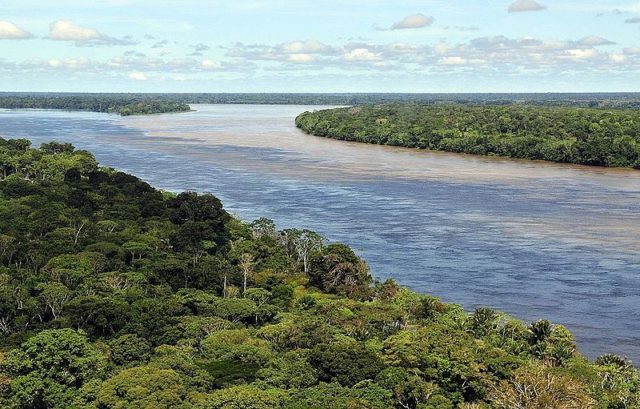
114	294
579	135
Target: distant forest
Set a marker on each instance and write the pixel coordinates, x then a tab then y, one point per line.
568	134
132	104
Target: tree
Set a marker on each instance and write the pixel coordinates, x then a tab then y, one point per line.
53	297
99	316
129	350
336	269
247	397
483	321
409	389
363	395
143	387
49	368
306	243
300	244
536	387
263	228
236	345
345	362
246	264
289	370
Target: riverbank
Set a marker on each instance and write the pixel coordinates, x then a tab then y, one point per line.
585	136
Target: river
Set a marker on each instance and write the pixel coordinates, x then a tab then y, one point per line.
536	240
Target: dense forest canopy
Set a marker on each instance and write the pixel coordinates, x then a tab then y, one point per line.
589	136
116	295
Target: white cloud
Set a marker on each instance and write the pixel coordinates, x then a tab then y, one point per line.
138	76
305	47
69	63
594	41
413	21
497	54
211	65
617	57
293	52
581	53
453	60
302	58
520	6
361	54
65	30
633	20
9	31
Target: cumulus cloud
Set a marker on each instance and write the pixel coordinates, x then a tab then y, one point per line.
520	6
297	52
633	20
413	21
361	54
138	76
65	30
595	41
9	31
497	54
305	47
135	66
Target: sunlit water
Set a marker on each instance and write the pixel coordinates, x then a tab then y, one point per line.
532	239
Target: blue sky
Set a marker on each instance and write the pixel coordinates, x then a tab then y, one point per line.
319	46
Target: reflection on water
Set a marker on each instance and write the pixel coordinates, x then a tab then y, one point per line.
533	239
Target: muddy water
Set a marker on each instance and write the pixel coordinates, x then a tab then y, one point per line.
532	239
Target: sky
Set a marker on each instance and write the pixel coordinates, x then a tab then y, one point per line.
320	46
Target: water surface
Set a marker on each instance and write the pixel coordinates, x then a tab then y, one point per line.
536	240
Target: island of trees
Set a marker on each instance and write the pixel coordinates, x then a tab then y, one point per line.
589	136
123	104
116	295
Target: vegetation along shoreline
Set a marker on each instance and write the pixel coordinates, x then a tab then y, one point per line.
584	136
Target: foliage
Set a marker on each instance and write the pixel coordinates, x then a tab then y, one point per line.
116	295
589	136
123	104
